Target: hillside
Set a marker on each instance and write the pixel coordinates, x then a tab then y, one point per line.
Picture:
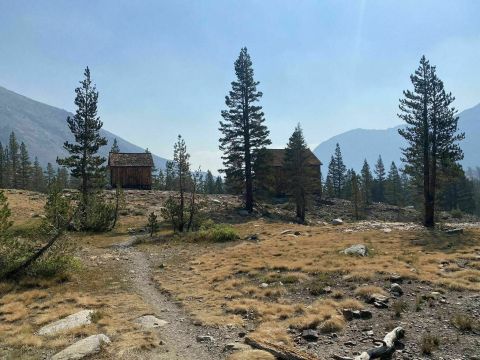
359	144
43	128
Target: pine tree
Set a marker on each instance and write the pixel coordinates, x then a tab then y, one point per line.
219	188
209	183
169	176
431	133
243	128
298	172
14	161
2	167
366	181
115	148
25	168
50	174
38	180
379	182
393	186
356	194
181	159
337	173
84	161
62	178
347	189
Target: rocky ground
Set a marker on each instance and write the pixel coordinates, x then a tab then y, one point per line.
131	262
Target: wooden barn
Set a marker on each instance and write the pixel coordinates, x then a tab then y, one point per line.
131	170
277	158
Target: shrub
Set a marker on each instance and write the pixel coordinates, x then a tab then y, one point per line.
152	224
463	322
217	233
99	215
58	209
456	213
429	343
399	307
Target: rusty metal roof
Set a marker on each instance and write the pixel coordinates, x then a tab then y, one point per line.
130	160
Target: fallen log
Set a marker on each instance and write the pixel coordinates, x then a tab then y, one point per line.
382	352
281	352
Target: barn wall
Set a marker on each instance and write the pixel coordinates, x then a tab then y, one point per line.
131	177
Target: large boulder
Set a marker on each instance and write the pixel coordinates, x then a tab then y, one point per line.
83	348
80	318
358	249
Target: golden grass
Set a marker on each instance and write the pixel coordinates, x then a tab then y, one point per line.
227	278
251	355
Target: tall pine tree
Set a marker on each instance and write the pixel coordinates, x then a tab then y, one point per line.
379	181
84	161
299	175
25	168
431	133
13	160
336	177
243	129
366	179
393	186
115	148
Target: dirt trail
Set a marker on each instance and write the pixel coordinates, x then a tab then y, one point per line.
179	335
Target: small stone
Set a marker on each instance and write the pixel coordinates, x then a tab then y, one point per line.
205	338
380	305
350	343
337	221
396	289
358	249
263	285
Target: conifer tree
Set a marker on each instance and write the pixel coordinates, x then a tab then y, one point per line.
169	176
337	173
366	181
243	129
356	195
115	148
84	161
38	180
379	182
181	159
62	178
25	168
209	183
219	189
50	174
393	186
298	172
431	133
14	161
2	167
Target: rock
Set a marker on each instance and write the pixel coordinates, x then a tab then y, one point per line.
347	314
387	230
83	348
377	298
72	321
454	231
150	322
337	221
327	289
252	237
205	338
298	233
263	285
396	289
310	335
395	278
380	305
350	343
237	346
358	249
284	232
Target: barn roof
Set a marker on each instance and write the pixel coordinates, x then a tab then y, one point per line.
130	159
278	156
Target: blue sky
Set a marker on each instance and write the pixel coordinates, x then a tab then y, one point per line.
164	67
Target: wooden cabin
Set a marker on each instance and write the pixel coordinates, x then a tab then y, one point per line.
131	170
277	158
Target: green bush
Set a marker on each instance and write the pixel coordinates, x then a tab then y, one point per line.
216	233
98	216
456	213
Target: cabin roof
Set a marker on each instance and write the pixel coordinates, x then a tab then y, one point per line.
130	160
278	157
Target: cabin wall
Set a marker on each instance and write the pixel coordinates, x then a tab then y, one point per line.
131	177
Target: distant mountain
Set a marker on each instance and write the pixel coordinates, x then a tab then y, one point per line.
359	144
44	130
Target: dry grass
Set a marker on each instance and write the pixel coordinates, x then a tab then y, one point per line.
251	355
227	278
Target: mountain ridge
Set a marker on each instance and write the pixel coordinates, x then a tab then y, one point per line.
359	144
44	129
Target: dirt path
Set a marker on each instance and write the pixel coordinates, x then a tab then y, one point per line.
179	336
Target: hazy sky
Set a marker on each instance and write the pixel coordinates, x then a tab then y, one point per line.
164	67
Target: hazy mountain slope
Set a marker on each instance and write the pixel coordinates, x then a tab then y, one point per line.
44	130
359	144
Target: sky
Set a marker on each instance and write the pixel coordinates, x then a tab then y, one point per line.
163	68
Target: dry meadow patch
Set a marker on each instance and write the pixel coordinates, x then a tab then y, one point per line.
269	283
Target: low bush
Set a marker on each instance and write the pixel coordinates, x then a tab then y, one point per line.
217	233
429	343
464	322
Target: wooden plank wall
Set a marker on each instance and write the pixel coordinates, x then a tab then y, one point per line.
131	177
